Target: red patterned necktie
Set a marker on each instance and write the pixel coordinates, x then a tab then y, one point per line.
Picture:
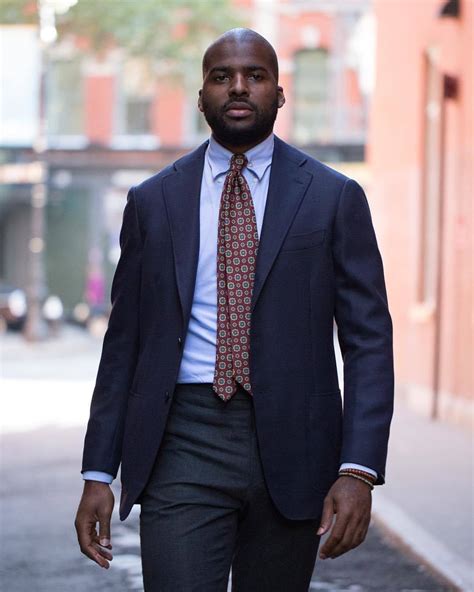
237	245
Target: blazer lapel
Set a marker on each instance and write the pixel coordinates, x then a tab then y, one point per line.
287	186
182	190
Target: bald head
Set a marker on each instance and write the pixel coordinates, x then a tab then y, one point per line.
240	95
241	37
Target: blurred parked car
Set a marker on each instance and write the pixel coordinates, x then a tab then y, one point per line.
13	307
92	318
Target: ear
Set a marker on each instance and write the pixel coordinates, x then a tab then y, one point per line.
200	101
281	97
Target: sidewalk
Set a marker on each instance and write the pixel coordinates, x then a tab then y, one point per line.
21	358
427	501
41	374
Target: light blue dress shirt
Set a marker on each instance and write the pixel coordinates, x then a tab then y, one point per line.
199	355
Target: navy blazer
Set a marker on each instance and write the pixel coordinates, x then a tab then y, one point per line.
318	261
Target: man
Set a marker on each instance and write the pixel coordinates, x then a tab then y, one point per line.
217	388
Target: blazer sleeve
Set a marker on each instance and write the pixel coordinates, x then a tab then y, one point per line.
103	440
364	329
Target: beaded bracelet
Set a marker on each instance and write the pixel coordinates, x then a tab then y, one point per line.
347	474
360	472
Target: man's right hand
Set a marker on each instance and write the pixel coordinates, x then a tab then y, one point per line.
96	506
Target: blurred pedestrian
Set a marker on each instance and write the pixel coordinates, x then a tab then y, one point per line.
217	389
95	283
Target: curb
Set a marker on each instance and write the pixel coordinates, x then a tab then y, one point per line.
435	553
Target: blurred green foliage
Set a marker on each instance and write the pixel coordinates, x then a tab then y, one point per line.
13	12
152	28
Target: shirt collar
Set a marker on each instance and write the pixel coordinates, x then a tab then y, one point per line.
259	157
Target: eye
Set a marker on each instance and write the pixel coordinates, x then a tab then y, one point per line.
221	78
256	76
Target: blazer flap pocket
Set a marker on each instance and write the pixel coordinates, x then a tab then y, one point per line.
303	241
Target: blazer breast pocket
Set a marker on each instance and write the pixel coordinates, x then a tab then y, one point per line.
307	240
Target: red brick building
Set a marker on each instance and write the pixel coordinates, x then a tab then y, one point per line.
113	120
115	101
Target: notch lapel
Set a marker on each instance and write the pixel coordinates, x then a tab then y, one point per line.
182	190
287	186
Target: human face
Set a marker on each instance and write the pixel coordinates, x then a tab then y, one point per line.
240	96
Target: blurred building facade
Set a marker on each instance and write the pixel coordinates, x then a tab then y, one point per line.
420	153
113	120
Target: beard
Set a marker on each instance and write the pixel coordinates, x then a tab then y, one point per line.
231	133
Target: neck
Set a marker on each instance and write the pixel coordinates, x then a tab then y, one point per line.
240	148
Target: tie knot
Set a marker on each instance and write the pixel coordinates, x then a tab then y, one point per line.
238	162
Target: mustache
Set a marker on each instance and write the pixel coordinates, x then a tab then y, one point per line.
232	101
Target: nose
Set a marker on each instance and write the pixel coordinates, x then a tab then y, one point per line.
239	85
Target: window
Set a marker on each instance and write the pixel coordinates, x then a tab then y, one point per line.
311	83
195	128
135	98
64	97
137	112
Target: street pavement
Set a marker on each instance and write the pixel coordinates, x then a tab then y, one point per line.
45	394
428	498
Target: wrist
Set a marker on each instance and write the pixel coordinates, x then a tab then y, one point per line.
92	484
356	471
367	479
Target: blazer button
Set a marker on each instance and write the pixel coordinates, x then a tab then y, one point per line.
180	341
167	396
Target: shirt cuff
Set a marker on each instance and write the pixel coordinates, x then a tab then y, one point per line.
97	476
360	467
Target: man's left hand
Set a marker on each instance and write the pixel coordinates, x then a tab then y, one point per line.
351	500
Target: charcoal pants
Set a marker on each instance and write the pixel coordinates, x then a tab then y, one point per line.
206	507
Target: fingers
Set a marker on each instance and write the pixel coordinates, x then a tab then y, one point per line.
351	501
87	536
95	507
104	530
104	550
336	537
347	536
327	516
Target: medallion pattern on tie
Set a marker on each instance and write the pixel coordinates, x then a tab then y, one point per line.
237	246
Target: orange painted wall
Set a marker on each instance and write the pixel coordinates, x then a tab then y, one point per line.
395	155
